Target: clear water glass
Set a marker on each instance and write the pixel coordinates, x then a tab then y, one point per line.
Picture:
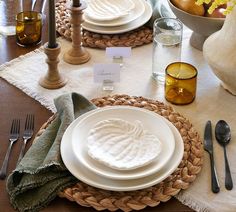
167	43
8	12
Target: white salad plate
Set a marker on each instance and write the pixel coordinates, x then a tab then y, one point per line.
138	10
123	28
104	10
90	178
153	123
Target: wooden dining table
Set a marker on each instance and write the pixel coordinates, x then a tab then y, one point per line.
16	104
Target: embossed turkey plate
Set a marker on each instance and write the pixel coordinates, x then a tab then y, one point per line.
89	177
151	122
138	10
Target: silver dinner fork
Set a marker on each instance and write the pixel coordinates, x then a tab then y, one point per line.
27	134
14	135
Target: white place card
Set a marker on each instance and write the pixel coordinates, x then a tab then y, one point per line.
118	52
106	72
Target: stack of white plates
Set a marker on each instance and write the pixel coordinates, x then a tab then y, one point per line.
115	16
74	150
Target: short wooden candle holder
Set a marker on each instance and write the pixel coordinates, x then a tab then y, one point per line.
77	54
53	79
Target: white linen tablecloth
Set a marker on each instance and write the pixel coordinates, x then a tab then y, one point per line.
212	103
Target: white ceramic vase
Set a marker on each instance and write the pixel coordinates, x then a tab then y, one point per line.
219	50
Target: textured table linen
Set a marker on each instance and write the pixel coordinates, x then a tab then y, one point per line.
212	103
41	173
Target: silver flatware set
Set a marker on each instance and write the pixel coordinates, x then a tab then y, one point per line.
14	136
223	136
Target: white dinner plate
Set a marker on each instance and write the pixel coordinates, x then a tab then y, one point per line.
152	122
97	181
123	28
133	14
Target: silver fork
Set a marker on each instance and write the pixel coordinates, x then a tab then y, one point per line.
14	135
28	133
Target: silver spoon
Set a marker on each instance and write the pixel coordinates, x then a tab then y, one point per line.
223	136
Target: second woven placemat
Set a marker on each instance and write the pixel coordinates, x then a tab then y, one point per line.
138	37
181	179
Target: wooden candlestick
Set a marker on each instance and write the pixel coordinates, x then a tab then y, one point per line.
53	79
77	54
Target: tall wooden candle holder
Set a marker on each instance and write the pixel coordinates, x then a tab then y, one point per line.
77	54
53	79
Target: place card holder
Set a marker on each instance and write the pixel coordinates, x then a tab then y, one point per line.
118	54
107	74
118	59
108	85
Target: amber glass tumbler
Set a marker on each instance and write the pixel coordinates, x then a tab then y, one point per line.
180	83
28	28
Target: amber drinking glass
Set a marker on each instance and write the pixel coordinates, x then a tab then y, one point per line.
28	28
180	83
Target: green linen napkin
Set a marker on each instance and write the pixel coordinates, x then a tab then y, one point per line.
41	174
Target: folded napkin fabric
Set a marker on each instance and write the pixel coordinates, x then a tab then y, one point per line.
41	174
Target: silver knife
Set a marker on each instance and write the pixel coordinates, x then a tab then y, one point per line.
208	146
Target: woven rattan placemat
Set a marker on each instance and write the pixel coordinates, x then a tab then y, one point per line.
182	177
138	37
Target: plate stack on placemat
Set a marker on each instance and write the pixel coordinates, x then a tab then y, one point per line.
74	149
119	22
109	23
104	186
